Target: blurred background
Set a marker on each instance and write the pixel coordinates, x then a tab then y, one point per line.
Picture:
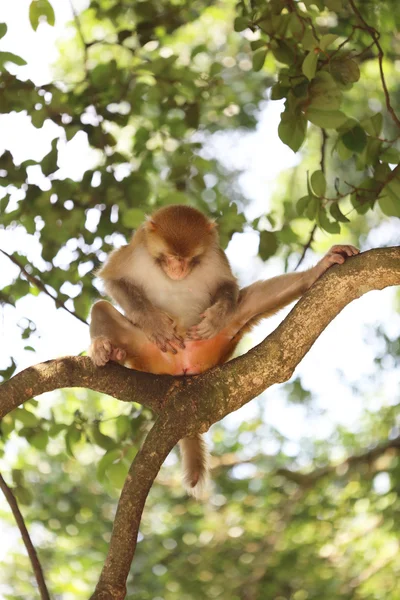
111	109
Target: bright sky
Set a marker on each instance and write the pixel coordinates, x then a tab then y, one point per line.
262	156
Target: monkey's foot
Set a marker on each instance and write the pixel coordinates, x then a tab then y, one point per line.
102	351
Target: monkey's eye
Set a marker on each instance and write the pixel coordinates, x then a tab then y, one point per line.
195	260
159	259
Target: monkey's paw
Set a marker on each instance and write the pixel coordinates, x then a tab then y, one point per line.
163	334
213	321
102	351
336	255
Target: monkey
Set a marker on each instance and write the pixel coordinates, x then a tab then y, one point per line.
183	310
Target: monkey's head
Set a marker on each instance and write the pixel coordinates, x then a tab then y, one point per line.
178	237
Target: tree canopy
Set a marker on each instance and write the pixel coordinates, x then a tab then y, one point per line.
143	90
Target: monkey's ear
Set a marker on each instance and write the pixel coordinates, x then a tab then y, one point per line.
212	225
150	224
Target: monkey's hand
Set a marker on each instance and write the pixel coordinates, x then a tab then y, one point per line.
102	351
160	329
336	255
214	319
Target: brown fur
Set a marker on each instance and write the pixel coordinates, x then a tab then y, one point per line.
146	338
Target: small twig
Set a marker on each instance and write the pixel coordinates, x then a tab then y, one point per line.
40	286
375	36
323	169
30	548
369	456
80	34
323	150
306	247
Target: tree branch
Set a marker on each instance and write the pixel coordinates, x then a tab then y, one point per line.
40	285
79	371
308	479
159	442
209	396
224	388
375	37
30	548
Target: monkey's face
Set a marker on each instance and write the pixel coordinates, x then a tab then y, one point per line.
175	267
176	262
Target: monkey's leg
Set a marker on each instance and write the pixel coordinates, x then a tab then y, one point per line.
113	336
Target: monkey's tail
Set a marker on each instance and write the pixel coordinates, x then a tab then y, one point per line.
195	459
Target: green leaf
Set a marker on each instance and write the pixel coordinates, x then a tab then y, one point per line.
323	221
268	244
318	183
56	428
324	92
39	9
334	5
123	426
49	162
337	213
283	52
106	461
23	495
10	57
103	441
312	208
3	30
309	42
355	139
116	473
133	217
302	204
390	156
72	437
389	201
7	425
27	418
345	71
343	152
259	57
292	129
372	125
389	205
326	40
39	440
328	119
278	91
240	23
309	65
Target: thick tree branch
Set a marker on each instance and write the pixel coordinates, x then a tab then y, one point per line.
225	388
210	396
30	548
159	442
79	371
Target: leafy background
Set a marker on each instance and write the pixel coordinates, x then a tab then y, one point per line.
150	103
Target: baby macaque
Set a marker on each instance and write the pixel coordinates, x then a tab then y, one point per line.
183	310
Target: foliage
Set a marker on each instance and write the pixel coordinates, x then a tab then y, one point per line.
145	86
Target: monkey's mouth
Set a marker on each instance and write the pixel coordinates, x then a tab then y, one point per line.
177	275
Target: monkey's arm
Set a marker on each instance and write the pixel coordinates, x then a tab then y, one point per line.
264	298
157	325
